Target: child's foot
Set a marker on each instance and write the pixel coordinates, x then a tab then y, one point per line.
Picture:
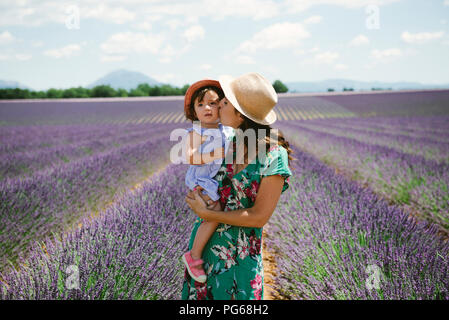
194	267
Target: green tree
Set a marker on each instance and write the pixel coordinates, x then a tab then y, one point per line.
54	93
70	93
122	92
145	88
136	93
184	89
103	91
279	87
82	92
154	91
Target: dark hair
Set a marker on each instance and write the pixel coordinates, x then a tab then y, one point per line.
281	141
199	94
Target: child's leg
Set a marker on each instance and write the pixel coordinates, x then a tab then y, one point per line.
205	231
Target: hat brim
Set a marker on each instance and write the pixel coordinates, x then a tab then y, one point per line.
225	82
199	84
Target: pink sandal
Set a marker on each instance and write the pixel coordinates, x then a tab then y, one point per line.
196	273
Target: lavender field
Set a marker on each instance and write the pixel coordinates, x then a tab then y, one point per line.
91	207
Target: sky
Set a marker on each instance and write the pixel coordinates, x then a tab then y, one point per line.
64	44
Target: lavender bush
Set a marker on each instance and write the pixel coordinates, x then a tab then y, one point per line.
430	147
335	240
132	251
418	184
56	197
423	103
27	150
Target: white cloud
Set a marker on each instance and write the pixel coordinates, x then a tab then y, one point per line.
386	54
340	67
112	58
359	40
63	52
164	78
167	53
165	60
421	37
130	42
313	20
245	60
6	38
17	56
446	2
144	26
295	6
108	13
37	43
173	24
327	57
23	56
254	9
205	66
39	12
279	35
194	33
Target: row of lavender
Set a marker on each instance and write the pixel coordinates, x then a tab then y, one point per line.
132	251
25	150
426	137
152	109
414	103
333	239
410	169
56	194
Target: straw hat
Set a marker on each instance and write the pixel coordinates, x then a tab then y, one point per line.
191	90
252	95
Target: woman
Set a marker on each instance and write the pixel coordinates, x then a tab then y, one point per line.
249	194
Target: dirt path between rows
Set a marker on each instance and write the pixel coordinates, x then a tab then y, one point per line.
270	270
137	186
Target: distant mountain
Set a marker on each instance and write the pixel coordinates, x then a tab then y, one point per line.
339	84
124	79
12	84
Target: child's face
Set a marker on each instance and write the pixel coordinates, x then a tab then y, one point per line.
207	109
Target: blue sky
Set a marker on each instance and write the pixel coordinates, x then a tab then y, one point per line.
63	44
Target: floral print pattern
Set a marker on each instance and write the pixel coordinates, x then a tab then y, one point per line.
233	257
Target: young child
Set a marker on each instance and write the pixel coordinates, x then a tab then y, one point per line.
201	104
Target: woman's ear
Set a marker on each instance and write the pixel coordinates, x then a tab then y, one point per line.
241	118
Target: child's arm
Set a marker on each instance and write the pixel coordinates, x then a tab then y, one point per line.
193	156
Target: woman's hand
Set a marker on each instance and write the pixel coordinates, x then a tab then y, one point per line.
197	204
206	198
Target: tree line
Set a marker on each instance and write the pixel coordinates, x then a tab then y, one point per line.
106	91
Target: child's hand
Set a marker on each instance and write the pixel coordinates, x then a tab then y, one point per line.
205	197
210	203
197	204
222	152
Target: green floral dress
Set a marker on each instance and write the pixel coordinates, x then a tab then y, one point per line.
233	256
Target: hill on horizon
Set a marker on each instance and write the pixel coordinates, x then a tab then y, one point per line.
340	84
124	79
128	80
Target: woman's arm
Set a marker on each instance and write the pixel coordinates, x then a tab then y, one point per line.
193	156
257	216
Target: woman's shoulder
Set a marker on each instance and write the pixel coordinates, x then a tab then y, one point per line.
276	160
277	151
